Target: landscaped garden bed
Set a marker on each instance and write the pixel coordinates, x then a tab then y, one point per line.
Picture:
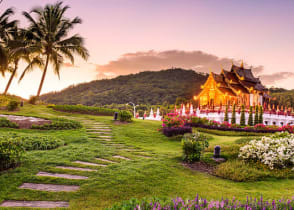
203	203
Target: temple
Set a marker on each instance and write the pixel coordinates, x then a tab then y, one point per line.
237	86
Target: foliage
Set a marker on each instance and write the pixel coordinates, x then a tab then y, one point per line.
50	21
260	118
125	116
85	109
242	118
173	120
147	87
276	151
34	141
230	132
174	131
193	146
5	99
202	203
233	120
256	120
226	119
59	124
11	151
6	123
33	100
12	105
239	171
250	118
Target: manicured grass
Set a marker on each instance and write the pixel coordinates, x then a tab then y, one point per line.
162	175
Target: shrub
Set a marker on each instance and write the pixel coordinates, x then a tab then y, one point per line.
12	105
276	151
85	109
193	146
226	119
174	131
233	120
250	118
256	121
11	151
125	116
173	120
33	100
34	141
6	123
59	124
242	118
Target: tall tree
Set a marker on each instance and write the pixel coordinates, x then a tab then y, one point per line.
6	28
19	48
50	33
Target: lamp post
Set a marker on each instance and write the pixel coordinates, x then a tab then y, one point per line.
134	106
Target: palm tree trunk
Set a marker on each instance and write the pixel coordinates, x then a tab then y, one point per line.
43	76
11	77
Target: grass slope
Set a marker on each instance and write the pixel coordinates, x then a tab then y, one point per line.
162	175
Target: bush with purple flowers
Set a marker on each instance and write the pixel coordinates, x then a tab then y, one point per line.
202	203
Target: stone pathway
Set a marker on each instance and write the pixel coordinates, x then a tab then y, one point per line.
96	131
35	204
49	187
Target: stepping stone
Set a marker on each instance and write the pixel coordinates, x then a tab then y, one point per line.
121	157
89	164
35	204
107	137
143	156
108	161
49	187
75	168
65	176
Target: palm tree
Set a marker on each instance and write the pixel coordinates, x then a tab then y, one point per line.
19	47
50	33
6	27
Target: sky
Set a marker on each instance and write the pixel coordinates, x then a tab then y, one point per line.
129	36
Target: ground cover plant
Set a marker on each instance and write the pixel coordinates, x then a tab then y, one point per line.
203	203
59	124
85	109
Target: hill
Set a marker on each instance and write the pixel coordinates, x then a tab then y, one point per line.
149	87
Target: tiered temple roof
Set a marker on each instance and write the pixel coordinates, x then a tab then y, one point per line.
239	79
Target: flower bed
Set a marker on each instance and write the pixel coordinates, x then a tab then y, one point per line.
202	203
173	125
276	151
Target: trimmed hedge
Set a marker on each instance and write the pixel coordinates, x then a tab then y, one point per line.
230	133
213	127
176	131
6	123
85	110
59	124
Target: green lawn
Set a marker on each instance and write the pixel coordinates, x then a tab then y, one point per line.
162	175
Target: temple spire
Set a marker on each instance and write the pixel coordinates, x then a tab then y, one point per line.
242	65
